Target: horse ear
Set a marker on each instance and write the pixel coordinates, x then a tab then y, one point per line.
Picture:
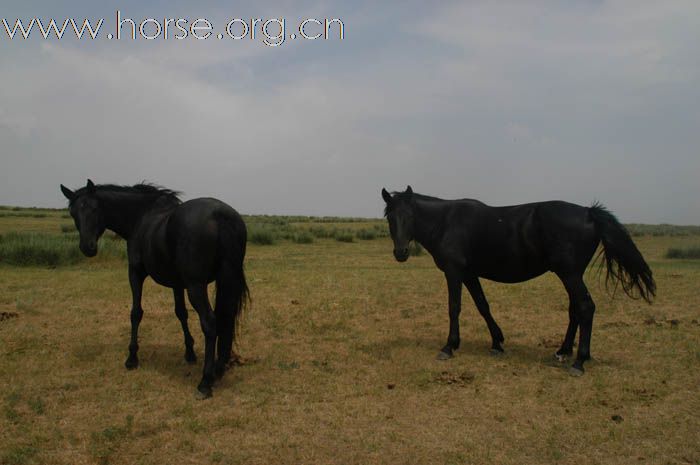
67	192
386	196
90	186
409	190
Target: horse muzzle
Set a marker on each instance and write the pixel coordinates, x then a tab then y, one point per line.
401	255
89	250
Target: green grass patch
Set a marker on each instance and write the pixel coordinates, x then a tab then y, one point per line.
21	214
18	455
105	443
658	230
52	250
321	232
692	252
261	237
303	238
38	249
344	236
367	234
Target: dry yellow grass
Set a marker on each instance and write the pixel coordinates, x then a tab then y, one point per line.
340	368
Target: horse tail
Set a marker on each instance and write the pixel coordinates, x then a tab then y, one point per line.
232	294
623	261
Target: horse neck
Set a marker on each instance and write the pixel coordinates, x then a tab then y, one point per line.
123	211
428	221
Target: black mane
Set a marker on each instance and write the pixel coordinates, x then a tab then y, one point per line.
145	189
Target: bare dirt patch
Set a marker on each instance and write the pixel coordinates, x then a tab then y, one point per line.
8	315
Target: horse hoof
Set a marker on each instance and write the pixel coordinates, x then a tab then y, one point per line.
203	393
561	358
575	372
131	364
496	352
191	358
443	356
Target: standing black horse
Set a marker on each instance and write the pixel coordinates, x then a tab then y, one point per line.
470	240
180	245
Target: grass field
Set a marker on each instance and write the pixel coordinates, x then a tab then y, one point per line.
339	364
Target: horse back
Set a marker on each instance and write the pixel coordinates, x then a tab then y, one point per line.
519	242
181	246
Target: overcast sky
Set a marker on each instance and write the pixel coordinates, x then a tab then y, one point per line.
506	102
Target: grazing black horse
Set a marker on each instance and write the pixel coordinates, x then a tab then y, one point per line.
470	240
181	245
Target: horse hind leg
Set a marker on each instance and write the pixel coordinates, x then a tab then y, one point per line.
585	312
200	301
583	309
226	300
224	336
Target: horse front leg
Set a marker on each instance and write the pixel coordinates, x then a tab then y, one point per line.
136	278
181	313
567	346
454	289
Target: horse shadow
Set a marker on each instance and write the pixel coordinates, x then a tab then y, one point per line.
517	355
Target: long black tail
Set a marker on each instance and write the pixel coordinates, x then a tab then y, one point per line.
623	260
232	293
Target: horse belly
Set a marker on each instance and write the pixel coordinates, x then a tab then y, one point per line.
509	269
160	266
513	276
165	277
511	252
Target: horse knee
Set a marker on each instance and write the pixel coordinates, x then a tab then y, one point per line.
586	311
136	315
208	324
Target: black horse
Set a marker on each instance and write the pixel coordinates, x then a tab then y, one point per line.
470	240
181	245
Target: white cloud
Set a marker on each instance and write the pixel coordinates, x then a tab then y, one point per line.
507	102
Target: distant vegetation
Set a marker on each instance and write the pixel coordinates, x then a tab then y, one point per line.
304	238
52	250
28	249
16	214
692	252
662	230
269	230
54	239
28	212
344	236
30	209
